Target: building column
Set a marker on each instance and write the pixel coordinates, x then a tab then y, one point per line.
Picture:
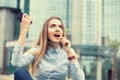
7	22
99	39
77	22
99	69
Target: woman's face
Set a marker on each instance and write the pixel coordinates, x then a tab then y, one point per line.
55	30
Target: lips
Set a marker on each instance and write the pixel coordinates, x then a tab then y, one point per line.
56	35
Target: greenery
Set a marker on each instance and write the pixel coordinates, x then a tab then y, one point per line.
115	45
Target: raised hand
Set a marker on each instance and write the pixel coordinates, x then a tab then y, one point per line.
24	28
25	22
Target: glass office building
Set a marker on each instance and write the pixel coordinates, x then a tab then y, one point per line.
90	37
8	3
40	10
111	19
90	19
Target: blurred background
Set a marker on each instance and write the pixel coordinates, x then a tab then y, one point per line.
93	27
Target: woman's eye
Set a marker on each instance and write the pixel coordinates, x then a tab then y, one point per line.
53	25
61	26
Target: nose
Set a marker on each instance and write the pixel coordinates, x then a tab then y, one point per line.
57	28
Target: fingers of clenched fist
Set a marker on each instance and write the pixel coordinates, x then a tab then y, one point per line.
65	43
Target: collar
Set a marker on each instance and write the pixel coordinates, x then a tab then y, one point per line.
50	50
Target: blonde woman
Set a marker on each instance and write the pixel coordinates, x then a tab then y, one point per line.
51	58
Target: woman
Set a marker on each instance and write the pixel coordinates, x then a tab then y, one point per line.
51	58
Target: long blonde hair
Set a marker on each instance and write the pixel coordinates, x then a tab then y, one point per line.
43	44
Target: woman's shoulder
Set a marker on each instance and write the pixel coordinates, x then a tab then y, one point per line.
33	50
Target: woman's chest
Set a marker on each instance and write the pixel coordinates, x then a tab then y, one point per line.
54	65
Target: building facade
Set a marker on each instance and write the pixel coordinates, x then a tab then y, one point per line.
111	18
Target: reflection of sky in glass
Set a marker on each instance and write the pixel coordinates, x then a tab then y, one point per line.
112	19
8	3
90	22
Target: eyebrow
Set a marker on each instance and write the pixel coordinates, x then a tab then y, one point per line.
55	24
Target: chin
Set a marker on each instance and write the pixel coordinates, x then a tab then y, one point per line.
56	42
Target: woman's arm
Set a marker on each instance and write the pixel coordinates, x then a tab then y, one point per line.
24	28
21	59
18	58
75	70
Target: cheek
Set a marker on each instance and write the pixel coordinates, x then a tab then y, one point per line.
50	37
50	31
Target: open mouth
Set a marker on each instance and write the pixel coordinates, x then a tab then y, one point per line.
57	35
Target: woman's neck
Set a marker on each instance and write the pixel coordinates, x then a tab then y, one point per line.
53	44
